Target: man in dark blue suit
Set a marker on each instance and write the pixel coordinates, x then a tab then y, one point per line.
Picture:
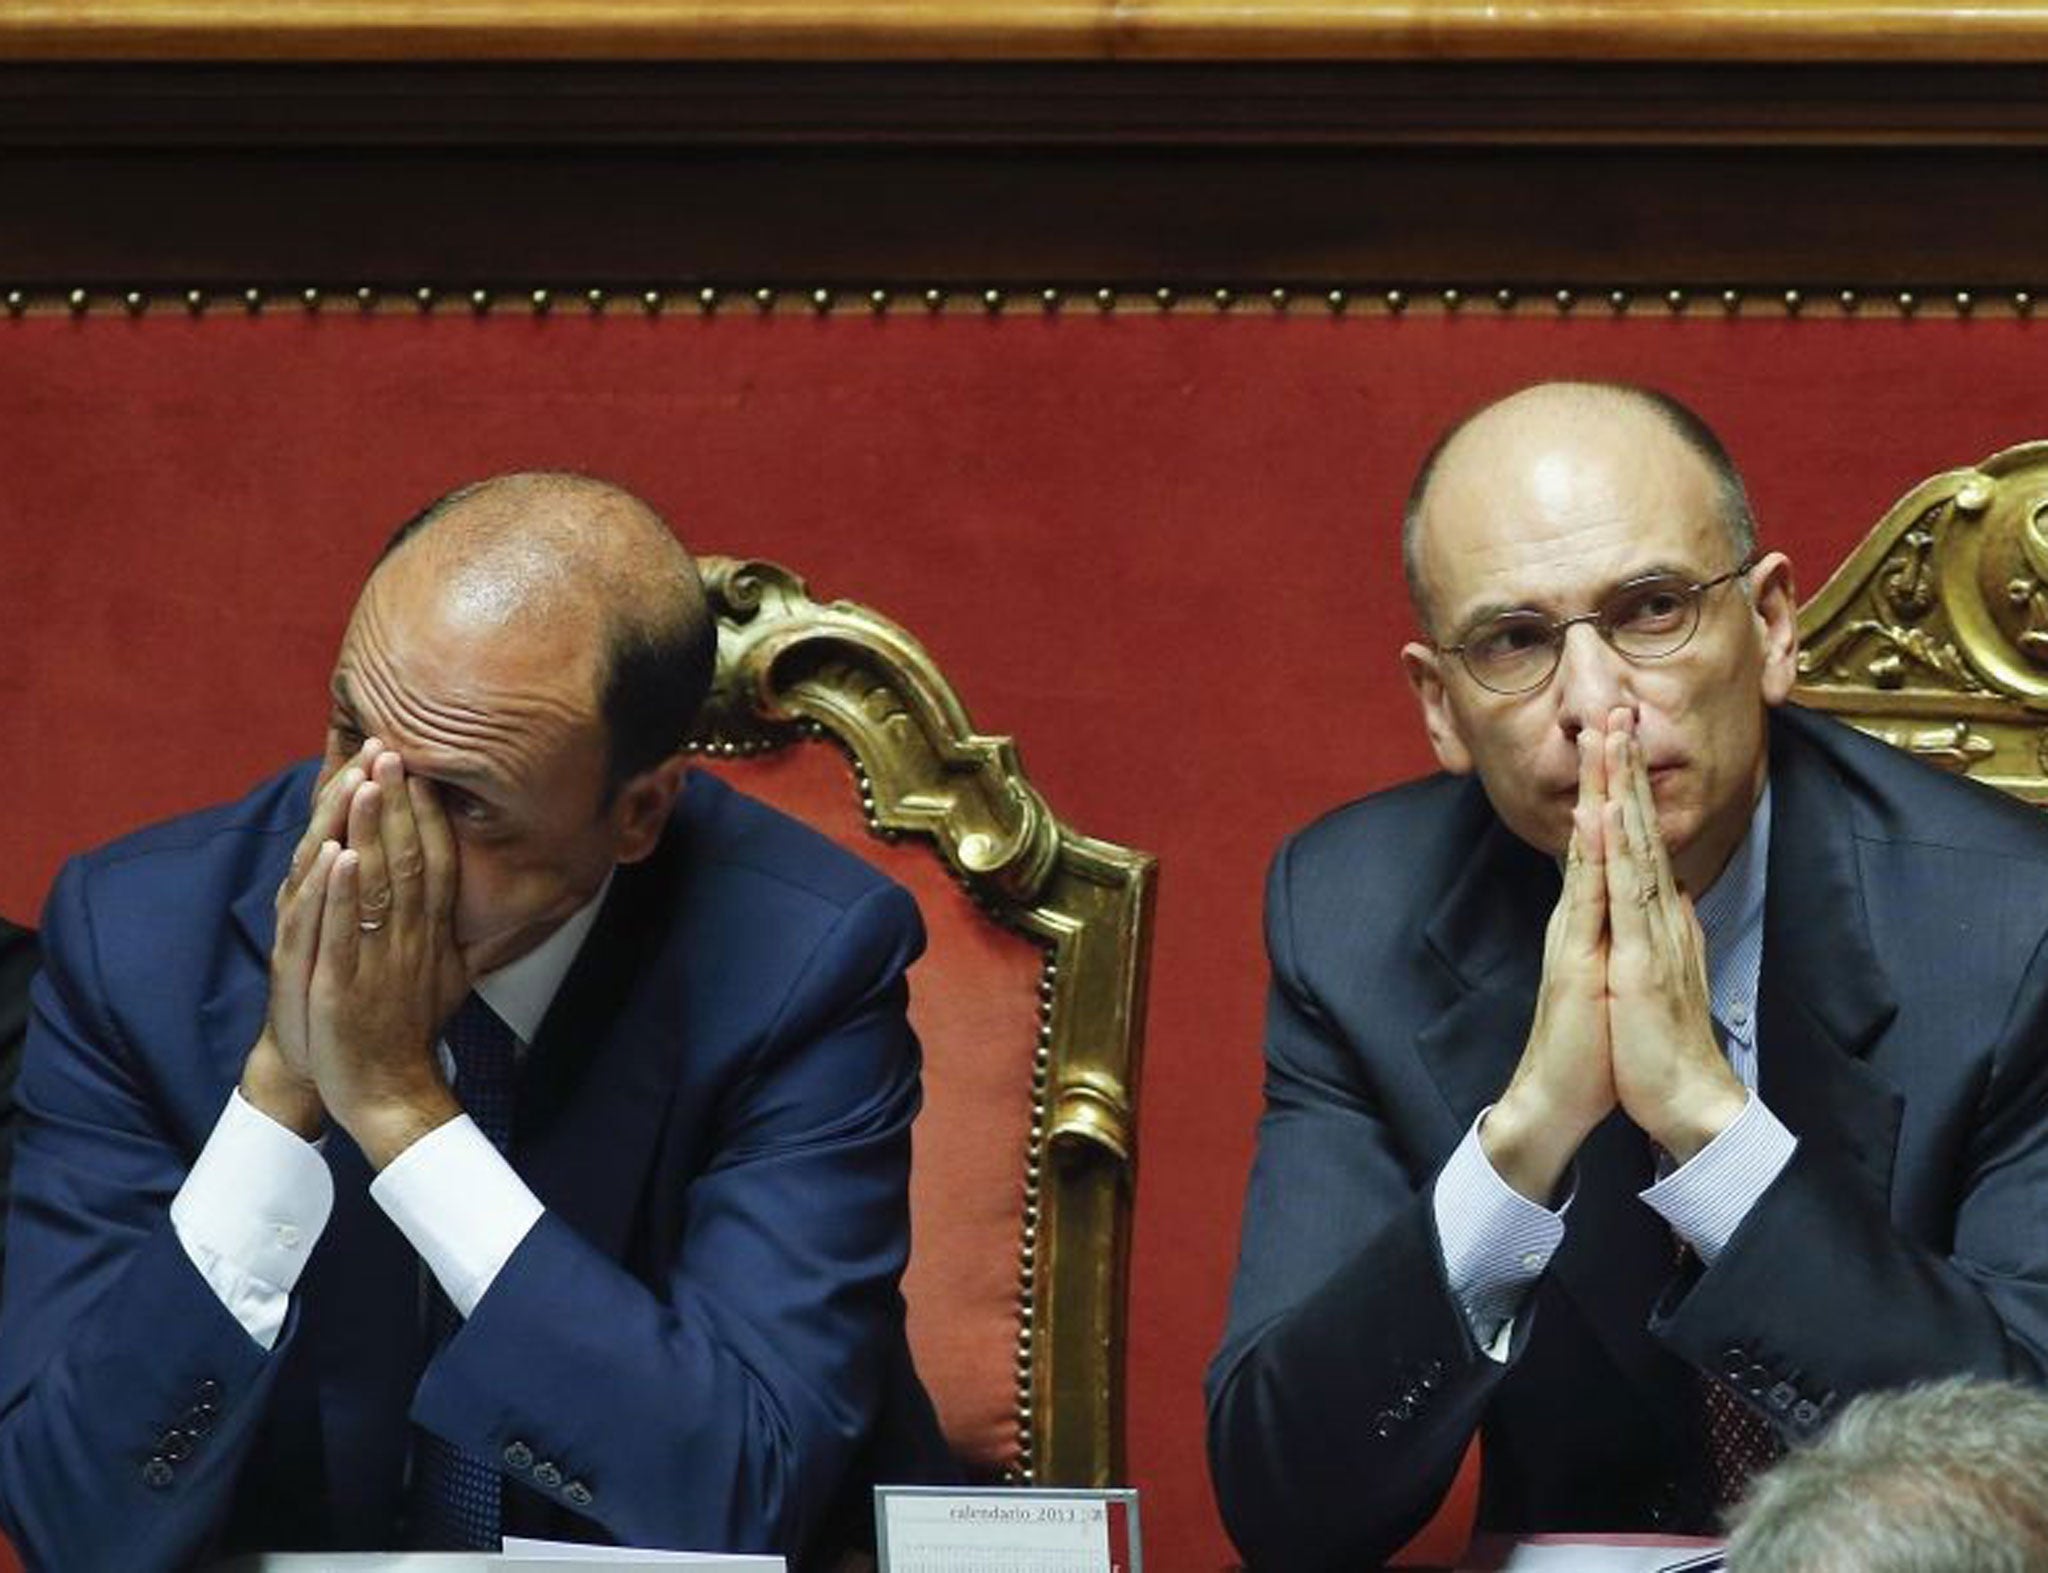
495	1127
1666	1072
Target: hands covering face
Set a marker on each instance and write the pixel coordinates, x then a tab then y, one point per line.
1622	1014
365	968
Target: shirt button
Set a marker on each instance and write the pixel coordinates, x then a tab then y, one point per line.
286	1235
546	1475
578	1494
518	1455
157	1474
1532	1262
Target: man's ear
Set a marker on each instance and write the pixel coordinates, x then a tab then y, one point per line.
1424	669
1777	611
641	808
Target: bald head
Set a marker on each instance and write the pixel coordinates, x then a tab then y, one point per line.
504	557
1546	418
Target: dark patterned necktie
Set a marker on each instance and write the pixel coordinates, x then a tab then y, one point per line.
455	1494
1740	1442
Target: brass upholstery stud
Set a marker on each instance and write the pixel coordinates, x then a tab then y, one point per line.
480	301
1617	299
1850	301
1397	301
878	301
543	300
1675	299
424	296
821	301
1565	300
992	301
1793	301
1453	299
310	297
594	299
1335	300
1731	301
1105	298
136	302
366	298
934	300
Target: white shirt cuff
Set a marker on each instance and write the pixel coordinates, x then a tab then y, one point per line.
463	1207
1706	1198
250	1213
1495	1241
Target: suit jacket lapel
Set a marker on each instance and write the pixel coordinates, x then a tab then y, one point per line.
595	1094
1824	999
232	1016
1488	934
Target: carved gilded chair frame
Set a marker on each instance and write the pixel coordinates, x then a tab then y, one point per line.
792	670
1934	634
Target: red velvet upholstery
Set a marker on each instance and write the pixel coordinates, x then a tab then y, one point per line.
1158	549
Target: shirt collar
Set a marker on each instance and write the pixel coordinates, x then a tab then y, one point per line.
521	991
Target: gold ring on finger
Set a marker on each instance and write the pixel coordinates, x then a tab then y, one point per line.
369	925
380	902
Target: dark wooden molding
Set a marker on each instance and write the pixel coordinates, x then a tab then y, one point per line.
695	105
1422	175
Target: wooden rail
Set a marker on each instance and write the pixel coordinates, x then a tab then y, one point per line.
2004	31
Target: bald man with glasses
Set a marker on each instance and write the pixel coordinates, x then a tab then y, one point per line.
1668	1070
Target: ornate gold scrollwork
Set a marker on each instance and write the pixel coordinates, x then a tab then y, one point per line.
792	668
1934	634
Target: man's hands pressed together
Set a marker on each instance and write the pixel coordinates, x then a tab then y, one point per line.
1622	1013
364	969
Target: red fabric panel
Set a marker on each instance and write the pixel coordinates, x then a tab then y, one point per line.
1158	550
974	1003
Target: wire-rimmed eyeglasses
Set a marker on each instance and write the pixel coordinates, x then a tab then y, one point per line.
1644	619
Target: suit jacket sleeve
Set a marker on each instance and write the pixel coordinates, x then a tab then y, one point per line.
1347	1386
128	1394
723	1411
1832	1287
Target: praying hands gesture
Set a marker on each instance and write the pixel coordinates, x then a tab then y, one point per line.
1622	1015
364	969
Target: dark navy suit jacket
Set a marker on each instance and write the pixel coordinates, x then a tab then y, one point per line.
1904	1041
703	1336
